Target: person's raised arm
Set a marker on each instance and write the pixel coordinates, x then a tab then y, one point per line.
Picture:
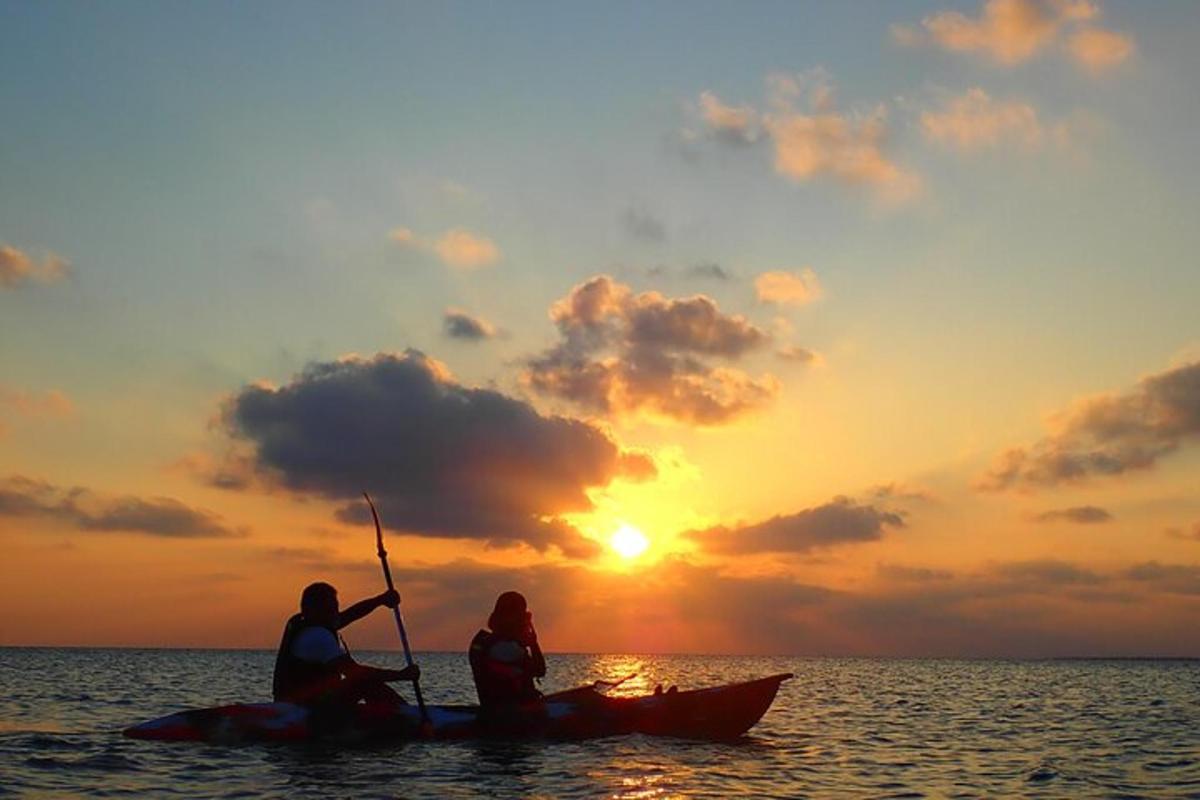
390	598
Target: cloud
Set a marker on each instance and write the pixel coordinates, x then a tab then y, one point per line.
787	288
85	511
798	354
900	573
974	121
404	237
1175	578
708	270
18	268
1108	434
457	247
233	470
51	404
740	125
901	491
643	226
812	139
623	353
439	458
458	324
461	248
1098	50
840	521
1192	534
1081	515
1011	32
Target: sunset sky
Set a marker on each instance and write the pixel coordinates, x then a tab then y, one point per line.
878	320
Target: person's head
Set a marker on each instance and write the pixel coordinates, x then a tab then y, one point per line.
510	615
319	603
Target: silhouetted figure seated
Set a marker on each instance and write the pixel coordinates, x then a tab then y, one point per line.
505	660
314	668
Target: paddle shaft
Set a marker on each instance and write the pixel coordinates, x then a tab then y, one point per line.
387	576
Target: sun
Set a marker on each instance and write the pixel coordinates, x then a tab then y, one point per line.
628	541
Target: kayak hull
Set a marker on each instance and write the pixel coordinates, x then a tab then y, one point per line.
716	713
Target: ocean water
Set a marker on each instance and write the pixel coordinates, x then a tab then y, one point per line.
842	728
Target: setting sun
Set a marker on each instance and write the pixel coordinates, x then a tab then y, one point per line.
629	542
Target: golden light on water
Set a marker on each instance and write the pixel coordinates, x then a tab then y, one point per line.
628	541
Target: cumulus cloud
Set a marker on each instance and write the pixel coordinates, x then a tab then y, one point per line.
812	139
458	324
441	459
840	521
457	247
975	121
623	352
85	511
1108	434
643	226
1010	32
1081	515
18	268
787	288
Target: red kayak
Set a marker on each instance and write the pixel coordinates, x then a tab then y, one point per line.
719	712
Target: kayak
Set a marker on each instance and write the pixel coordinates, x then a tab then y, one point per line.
715	713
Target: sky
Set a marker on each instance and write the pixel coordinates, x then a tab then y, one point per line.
874	322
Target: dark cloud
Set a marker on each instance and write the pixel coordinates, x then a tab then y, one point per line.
1082	515
1046	572
623	353
439	458
1174	578
85	511
460	325
643	226
901	491
840	521
905	574
708	270
1108	434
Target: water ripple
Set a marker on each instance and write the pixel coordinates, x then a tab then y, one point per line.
851	728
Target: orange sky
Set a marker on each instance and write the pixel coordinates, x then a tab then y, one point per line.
881	329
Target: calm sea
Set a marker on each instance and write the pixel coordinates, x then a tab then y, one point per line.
842	728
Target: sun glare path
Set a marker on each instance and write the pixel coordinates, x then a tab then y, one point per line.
629	542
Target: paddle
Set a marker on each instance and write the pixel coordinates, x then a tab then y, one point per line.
387	576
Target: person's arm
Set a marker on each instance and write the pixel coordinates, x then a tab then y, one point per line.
537	662
360	609
353	671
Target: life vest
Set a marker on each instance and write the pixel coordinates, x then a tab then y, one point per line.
502	669
297	680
